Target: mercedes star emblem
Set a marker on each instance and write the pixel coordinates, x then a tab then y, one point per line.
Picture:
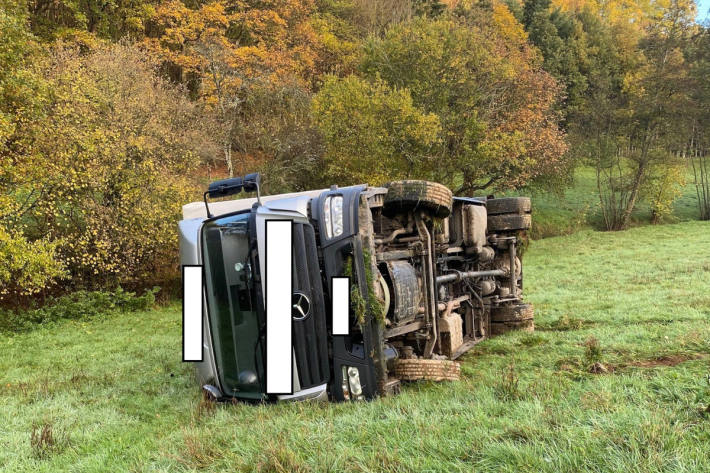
301	306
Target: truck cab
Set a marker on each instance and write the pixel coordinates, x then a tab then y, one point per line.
431	276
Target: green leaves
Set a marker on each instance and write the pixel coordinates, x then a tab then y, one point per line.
373	133
477	74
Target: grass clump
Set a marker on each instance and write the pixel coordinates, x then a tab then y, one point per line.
592	351
45	440
703	397
565	323
593	356
507	387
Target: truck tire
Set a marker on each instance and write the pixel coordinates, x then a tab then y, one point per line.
509	222
509	205
431	197
433	370
512	313
498	328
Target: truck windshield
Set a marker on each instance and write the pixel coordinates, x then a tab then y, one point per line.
232	305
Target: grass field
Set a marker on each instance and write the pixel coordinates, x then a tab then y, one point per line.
578	207
111	394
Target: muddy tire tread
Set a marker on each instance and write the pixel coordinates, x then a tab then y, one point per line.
499	328
414	195
432	370
514	313
509	222
509	205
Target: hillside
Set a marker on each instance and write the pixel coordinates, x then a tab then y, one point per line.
113	116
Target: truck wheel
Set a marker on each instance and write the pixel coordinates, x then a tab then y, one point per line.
431	197
432	370
509	205
498	328
509	222
512	313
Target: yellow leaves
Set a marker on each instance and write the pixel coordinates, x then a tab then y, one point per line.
507	24
109	162
636	15
26	267
214	15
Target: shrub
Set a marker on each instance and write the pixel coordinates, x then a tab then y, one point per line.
97	180
26	267
77	305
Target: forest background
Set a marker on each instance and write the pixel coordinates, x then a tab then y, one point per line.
114	113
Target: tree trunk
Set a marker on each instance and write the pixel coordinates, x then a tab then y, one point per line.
228	158
631	203
655	217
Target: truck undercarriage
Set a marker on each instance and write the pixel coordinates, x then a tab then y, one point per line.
440	276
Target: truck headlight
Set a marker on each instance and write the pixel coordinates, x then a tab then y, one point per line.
345	386
333	215
354	382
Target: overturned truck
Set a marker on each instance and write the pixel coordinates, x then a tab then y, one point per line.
431	276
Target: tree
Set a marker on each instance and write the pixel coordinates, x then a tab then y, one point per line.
629	127
562	41
697	140
85	21
479	76
636	15
226	51
373	133
27	265
118	143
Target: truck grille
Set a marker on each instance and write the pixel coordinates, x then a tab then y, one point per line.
310	334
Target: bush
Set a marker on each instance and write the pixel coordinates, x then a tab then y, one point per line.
93	185
118	143
77	305
373	133
26	267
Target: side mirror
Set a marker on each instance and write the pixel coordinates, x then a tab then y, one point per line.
252	182
225	187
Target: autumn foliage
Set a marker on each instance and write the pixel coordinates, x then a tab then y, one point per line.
112	115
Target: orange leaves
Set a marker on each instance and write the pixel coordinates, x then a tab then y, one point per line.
273	39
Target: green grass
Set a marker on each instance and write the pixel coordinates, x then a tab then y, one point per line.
578	207
118	398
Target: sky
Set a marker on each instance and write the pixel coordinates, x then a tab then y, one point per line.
703	7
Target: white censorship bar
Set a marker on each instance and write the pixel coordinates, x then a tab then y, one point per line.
192	313
341	305
279	379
